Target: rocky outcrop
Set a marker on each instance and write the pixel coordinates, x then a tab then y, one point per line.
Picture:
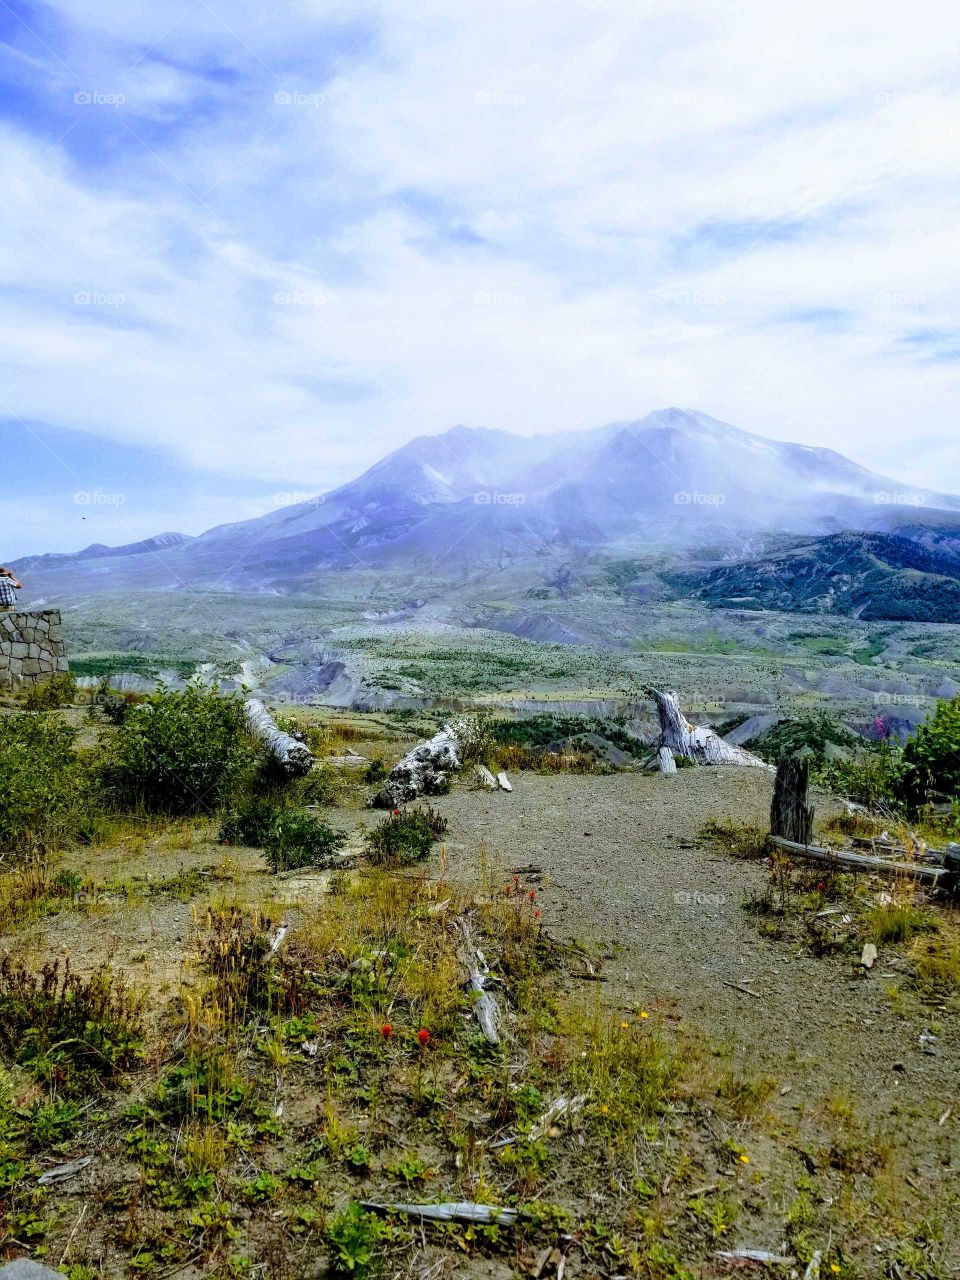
31	647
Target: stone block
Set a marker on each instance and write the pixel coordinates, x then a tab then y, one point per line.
18	650
31	666
27	1269
62	663
33	650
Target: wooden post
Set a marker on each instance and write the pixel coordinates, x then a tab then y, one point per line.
791	817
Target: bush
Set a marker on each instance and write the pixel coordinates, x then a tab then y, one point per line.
405	838
296	839
41	782
249	823
353	1238
818	736
873	777
179	752
931	757
68	1031
59	691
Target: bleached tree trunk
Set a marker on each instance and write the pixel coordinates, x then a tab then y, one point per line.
698	743
291	755
422	771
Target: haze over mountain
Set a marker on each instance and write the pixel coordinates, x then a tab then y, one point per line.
474	497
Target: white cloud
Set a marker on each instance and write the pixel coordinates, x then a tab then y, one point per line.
526	215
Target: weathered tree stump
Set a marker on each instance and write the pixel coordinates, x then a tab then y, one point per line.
698	743
791	817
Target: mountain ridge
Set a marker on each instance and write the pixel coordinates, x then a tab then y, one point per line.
472	498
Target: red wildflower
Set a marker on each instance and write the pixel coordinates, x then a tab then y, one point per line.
423	1035
386	1031
533	895
396	813
536	915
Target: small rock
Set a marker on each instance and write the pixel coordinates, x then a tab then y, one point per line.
900	1066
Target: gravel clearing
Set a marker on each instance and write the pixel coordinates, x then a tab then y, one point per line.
625	868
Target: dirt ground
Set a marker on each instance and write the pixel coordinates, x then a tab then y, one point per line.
624	863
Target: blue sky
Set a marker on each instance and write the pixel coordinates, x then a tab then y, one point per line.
249	248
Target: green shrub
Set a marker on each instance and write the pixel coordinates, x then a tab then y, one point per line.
818	736
250	821
68	1031
353	1238
42	782
405	838
931	757
872	777
179	752
296	839
59	691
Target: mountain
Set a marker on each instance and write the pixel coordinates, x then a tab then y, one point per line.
475	499
99	551
866	576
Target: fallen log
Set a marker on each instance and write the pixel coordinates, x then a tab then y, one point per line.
484	1006
422	771
292	756
860	862
698	743
451	1211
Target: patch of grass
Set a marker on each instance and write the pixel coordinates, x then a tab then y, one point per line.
936	963
68	1031
742	839
404	837
896	922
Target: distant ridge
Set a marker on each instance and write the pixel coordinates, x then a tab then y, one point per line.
475	499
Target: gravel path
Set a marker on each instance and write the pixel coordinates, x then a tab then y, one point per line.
625	868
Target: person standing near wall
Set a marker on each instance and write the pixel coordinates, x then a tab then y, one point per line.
9	584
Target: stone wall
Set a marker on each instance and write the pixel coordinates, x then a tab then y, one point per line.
31	647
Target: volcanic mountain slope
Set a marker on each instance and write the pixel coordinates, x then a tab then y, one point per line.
472	500
864	575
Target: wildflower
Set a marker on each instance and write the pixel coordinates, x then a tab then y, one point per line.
536	915
533	895
624	1025
644	1014
604	1110
834	1268
386	1031
396	813
744	1158
423	1035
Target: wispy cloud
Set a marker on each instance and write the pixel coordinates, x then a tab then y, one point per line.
277	243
